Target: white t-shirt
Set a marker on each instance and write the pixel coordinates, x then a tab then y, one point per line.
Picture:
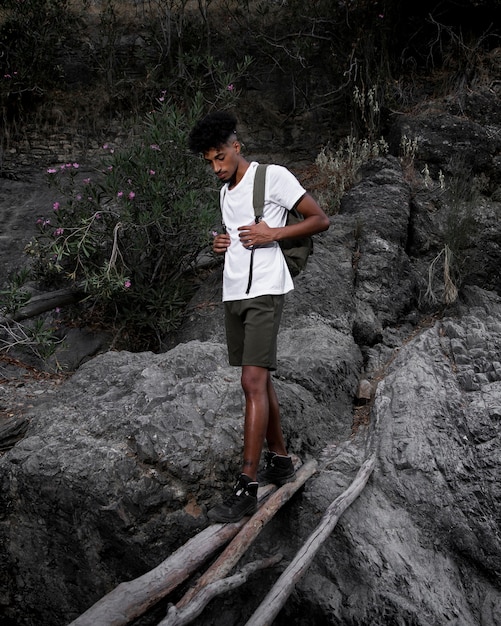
270	273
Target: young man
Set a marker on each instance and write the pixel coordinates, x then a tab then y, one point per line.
252	316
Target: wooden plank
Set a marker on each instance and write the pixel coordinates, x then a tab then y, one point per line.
276	598
233	552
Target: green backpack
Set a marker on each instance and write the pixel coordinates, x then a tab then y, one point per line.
296	251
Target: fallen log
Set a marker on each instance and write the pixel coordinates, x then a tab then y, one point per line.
180	617
43	303
233	552
276	598
130	599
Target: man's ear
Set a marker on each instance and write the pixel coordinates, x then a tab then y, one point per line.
237	146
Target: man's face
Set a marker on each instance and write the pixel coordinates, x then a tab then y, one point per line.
224	160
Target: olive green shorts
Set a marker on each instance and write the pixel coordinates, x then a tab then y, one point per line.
252	329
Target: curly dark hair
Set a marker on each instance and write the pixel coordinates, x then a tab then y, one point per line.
212	131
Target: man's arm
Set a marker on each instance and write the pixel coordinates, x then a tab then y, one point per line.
315	221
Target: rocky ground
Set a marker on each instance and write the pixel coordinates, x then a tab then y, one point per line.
20	385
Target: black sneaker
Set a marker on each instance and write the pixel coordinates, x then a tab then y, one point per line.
242	502
277	470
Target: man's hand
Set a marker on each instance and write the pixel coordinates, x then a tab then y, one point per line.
256	234
220	243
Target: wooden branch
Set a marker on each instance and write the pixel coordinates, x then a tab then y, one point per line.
42	303
231	555
131	599
276	598
180	617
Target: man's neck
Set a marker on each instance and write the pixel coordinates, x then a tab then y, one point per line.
243	166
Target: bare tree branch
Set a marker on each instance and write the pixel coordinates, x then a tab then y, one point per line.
180	617
276	598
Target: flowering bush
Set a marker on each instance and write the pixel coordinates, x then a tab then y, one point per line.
129	236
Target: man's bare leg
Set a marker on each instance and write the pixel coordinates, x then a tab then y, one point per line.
257	410
274	434
262	418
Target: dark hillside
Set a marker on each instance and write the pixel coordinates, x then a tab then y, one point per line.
101	64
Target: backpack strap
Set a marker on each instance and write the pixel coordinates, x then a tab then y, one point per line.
258	193
258	203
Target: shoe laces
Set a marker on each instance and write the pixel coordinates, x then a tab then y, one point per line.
238	493
268	460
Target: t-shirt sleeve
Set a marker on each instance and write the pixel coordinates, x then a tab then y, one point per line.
284	187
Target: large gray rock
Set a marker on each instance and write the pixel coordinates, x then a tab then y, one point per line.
444	140
386	284
122	464
422	544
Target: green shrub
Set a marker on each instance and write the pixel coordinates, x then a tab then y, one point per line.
14	294
462	192
129	237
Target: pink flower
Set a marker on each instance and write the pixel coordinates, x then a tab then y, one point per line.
58	231
152	172
51	170
132	195
86	181
214	233
127	284
231	87
120	194
154	146
56	206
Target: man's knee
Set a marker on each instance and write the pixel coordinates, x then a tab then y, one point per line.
254	379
